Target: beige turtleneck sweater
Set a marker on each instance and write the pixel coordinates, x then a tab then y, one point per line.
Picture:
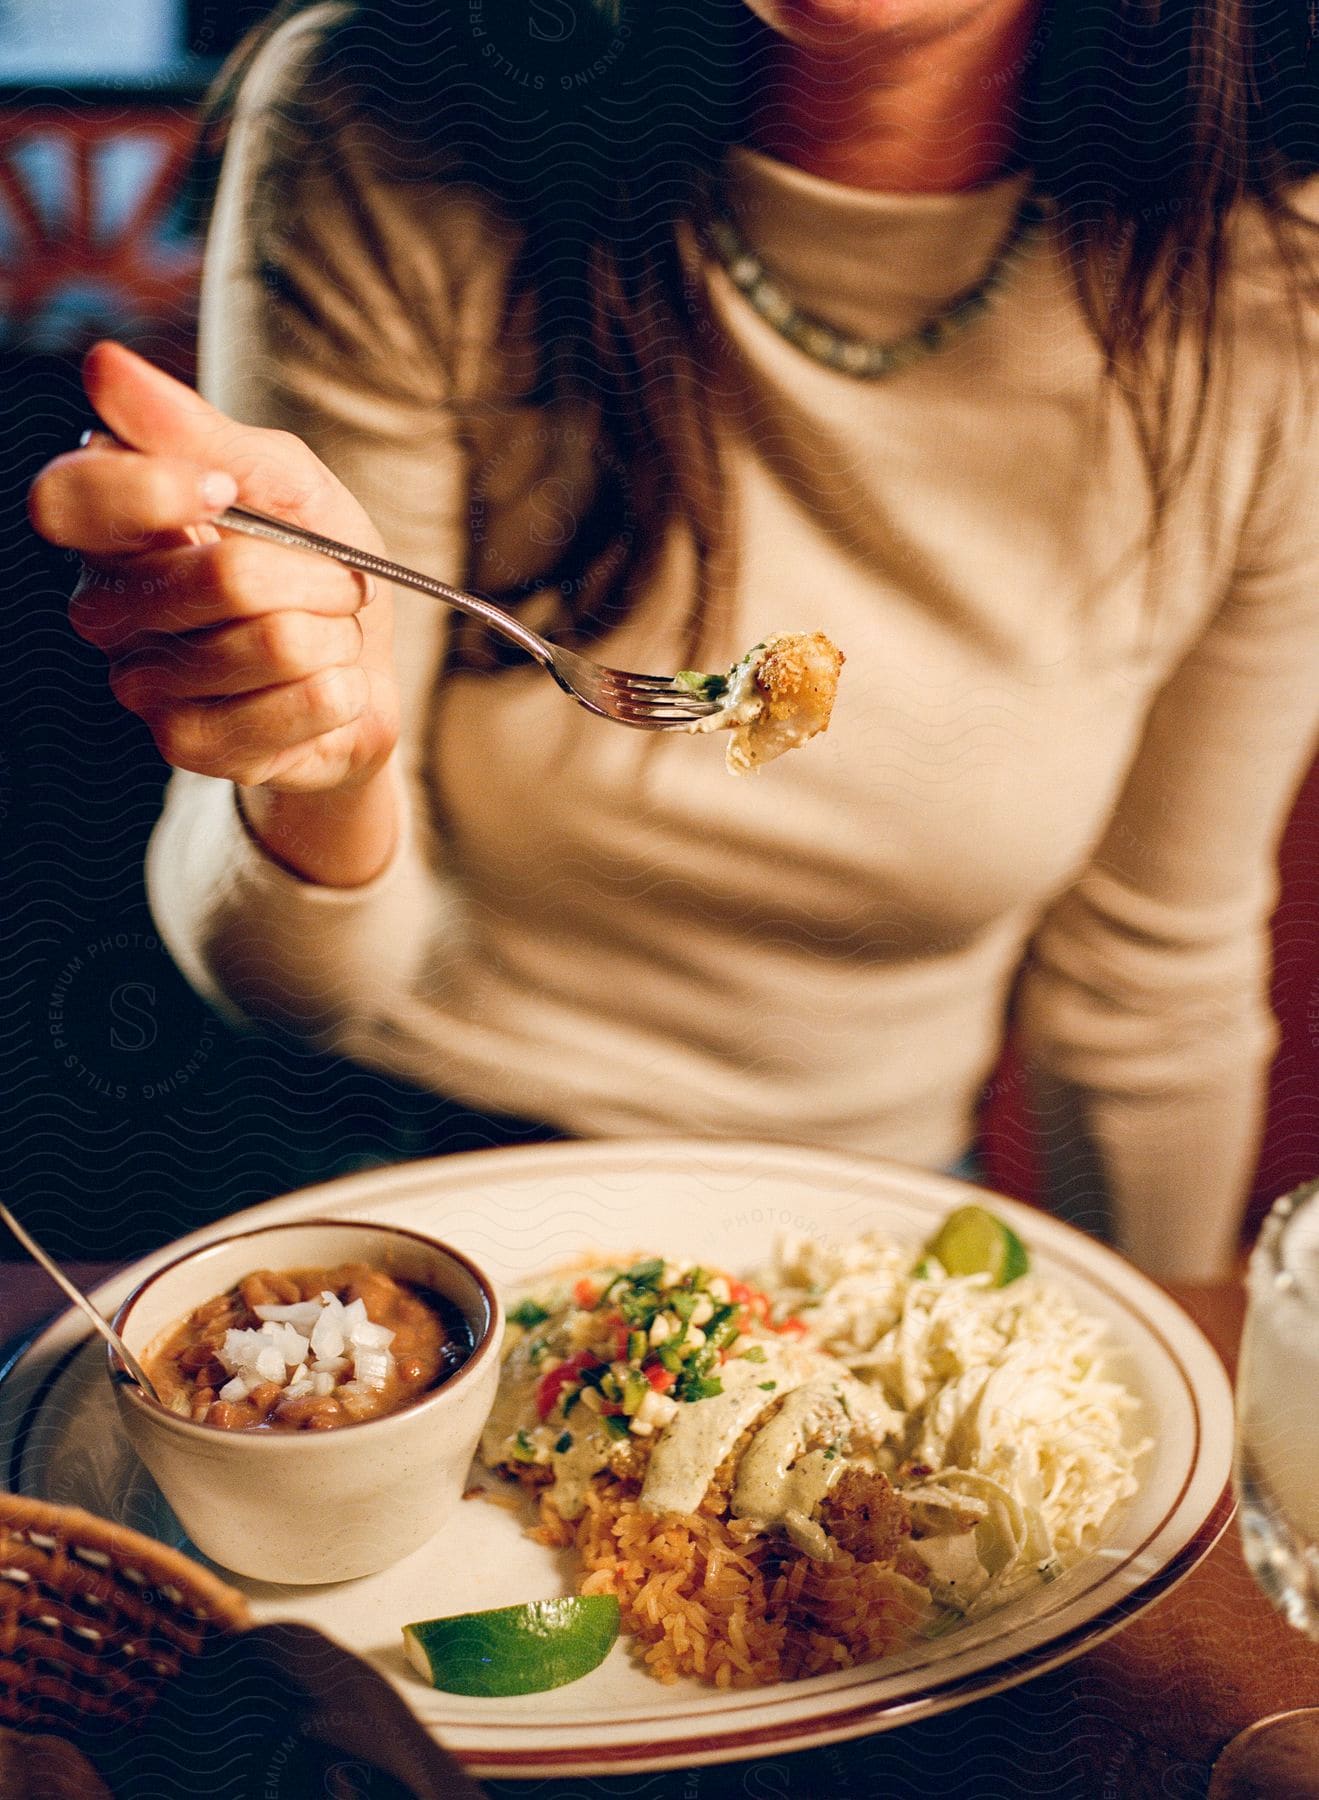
1059	761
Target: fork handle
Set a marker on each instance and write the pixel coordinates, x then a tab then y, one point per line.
297	537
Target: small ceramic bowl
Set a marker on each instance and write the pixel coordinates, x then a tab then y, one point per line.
313	1506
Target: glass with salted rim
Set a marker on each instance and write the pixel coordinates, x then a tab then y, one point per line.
1277	1481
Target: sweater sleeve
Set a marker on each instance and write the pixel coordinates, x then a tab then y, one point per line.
1143	1006
306	325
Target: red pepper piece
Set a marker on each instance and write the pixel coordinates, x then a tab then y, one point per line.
552	1385
752	1298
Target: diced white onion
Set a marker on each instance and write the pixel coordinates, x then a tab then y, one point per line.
327	1337
372	1337
240	1348
656	1409
304	1349
371	1367
303	1314
291	1344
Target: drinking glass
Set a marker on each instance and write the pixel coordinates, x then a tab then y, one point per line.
1277	1462
1277	1479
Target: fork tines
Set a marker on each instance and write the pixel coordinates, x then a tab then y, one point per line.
653	698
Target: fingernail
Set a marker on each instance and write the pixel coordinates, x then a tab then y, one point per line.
217	490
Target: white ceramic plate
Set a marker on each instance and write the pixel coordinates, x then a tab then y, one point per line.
522	1211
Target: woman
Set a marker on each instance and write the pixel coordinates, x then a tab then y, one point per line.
974	334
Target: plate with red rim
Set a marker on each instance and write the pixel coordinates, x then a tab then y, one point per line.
519	1212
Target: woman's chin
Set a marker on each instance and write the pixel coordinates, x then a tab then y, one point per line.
841	25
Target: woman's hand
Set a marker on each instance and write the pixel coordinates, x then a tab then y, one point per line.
247	660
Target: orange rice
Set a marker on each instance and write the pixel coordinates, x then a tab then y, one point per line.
708	1598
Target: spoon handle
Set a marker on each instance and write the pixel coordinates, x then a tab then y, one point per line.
79	1299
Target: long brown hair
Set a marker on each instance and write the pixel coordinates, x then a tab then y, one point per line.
598	125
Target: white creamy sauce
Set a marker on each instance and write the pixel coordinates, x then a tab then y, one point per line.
514	1409
788	1466
692	1447
743	700
590	1449
589	1452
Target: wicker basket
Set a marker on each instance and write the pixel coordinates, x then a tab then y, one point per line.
94	1618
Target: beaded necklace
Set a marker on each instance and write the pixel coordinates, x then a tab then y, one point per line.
865	358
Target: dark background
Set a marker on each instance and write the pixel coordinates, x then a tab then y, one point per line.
131	1113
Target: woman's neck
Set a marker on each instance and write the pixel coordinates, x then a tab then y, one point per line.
898	112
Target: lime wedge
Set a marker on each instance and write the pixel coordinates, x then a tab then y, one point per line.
972	1241
514	1649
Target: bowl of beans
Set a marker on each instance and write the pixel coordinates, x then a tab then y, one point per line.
322	1386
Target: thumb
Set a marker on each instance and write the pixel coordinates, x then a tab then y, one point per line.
150	411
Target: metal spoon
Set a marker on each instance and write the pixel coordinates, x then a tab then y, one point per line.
98	1319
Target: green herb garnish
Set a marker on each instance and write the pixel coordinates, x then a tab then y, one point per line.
645	1274
723	1327
529	1313
693	1385
705	687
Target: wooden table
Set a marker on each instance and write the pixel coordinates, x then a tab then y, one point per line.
1140	1716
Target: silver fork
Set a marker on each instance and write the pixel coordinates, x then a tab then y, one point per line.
650	702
